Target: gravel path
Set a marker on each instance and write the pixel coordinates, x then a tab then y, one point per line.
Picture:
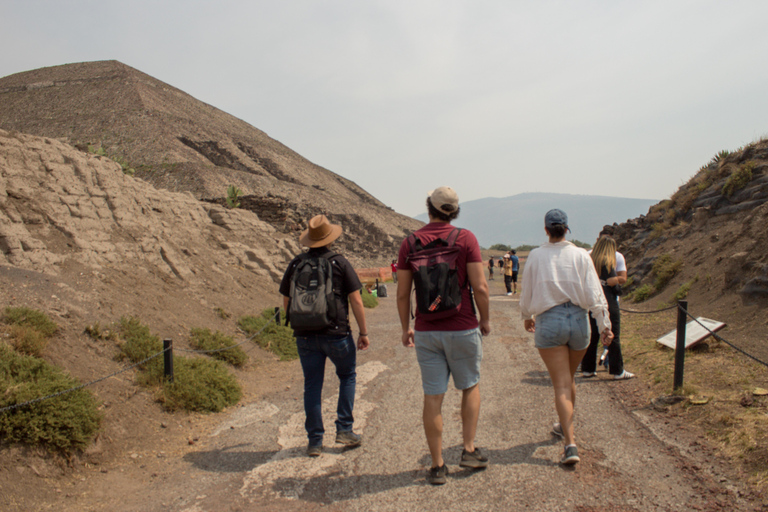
253	458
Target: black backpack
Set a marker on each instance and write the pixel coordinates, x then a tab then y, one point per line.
435	275
312	305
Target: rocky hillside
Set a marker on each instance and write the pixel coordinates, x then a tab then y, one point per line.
709	238
66	213
178	143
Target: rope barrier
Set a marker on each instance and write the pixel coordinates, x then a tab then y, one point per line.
647	312
81	386
720	338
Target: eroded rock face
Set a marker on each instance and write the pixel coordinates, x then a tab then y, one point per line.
60	205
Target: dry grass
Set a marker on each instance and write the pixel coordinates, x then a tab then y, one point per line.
733	419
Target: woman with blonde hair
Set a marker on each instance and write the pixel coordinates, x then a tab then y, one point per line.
559	286
604	259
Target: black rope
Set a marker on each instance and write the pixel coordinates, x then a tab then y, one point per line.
647	312
719	338
81	386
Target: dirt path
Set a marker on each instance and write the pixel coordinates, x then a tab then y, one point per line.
252	458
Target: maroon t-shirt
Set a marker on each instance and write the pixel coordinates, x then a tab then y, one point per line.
470	253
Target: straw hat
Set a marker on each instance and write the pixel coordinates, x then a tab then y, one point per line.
320	233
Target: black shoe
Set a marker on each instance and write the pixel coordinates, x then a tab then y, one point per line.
473	459
436	476
314	450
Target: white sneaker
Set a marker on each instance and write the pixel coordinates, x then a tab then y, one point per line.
623	375
510	293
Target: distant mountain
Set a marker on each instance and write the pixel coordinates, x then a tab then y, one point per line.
519	219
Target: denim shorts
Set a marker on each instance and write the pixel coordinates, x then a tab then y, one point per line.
566	324
445	353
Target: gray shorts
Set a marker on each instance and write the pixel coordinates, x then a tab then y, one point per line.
566	324
445	353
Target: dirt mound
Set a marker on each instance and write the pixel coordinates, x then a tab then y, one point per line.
181	144
711	233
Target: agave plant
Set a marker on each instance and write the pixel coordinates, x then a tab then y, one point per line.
233	196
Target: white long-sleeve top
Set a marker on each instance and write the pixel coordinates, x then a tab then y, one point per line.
556	273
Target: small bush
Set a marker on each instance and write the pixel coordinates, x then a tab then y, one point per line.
204	339
31	318
642	293
369	301
199	384
682	292
65	423
278	339
97	332
657	230
579	243
139	343
665	268
739	179
233	196
27	340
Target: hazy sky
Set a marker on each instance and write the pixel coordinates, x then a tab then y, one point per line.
492	97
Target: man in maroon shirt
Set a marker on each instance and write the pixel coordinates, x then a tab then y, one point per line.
448	346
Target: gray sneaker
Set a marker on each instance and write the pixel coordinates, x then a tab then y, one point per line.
314	450
436	476
473	459
557	430
348	438
571	456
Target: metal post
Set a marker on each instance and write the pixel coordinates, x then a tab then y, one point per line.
277	315
682	307
168	359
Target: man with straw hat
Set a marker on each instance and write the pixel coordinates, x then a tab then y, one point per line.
334	341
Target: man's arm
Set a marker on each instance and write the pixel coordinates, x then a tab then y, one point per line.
358	310
476	278
404	283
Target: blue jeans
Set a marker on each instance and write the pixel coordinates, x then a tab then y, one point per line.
313	351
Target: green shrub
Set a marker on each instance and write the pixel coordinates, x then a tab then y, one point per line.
199	384
139	343
233	196
65	423
31	318
500	247
665	268
579	243
642	293
204	339
27	340
739	179
369	301
97	332
525	248
682	292
276	338
657	230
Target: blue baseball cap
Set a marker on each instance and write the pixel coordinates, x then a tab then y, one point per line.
555	217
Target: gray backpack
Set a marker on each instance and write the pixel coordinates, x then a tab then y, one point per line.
312	304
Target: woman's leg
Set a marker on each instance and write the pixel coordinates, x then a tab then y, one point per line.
589	364
561	363
615	359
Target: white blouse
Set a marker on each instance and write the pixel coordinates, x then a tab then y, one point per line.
556	273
